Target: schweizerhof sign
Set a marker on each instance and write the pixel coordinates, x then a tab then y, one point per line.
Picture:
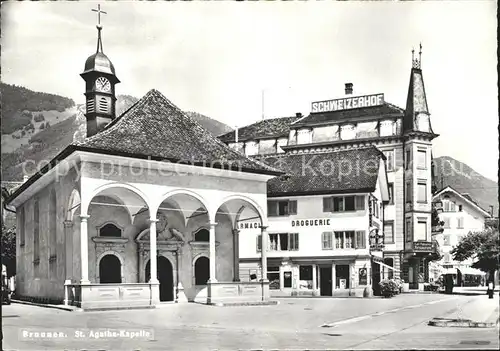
348	103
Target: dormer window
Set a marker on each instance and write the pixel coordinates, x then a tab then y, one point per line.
251	148
386	128
110	230
304	136
347	132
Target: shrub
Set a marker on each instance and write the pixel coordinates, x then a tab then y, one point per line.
388	287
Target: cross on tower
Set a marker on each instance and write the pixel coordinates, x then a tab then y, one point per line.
99	14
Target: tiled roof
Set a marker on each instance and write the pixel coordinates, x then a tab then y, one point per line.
351	114
155	127
268	128
343	171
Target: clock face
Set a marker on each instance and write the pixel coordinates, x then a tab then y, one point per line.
102	84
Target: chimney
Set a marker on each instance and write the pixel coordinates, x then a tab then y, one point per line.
25	178
236	134
491	211
298	114
348	88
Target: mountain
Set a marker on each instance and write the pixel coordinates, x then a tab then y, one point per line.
213	126
19	103
43	134
461	177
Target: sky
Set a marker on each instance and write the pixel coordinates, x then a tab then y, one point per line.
221	58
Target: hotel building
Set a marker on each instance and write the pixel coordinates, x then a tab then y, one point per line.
344	129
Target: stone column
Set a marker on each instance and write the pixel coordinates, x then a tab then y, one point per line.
68	257
236	255
84	249
213	278
314	271
263	251
334	279
152	251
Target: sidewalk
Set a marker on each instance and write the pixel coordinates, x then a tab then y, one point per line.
58	307
478	312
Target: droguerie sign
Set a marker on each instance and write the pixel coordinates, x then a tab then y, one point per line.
310	222
348	103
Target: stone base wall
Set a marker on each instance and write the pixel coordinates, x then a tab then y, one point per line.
237	292
103	296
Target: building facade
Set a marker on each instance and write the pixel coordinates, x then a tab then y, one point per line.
461	215
403	135
318	238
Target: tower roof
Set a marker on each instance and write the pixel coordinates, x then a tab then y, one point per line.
416	101
99	62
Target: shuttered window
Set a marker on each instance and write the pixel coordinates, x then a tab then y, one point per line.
293	244
327	204
360	239
327	241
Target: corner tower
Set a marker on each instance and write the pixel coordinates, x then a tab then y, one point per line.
100	80
417	155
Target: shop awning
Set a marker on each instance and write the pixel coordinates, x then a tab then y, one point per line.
387	266
471	271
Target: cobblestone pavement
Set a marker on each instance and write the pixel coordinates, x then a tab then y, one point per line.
397	323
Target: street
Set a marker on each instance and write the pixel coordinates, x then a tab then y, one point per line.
295	323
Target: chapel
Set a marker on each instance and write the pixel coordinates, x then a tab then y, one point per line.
144	210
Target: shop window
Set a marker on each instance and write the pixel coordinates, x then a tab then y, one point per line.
281	208
306	277
273	275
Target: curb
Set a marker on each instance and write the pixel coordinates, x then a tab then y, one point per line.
461	323
62	307
235	304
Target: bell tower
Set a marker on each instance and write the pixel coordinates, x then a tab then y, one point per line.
100	80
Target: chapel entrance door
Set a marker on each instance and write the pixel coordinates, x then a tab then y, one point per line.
110	270
165	277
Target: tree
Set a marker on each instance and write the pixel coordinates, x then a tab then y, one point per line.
9	249
483	247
